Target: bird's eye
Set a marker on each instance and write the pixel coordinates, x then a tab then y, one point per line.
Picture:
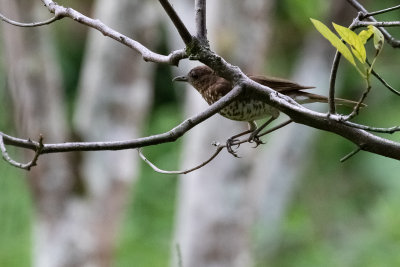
194	76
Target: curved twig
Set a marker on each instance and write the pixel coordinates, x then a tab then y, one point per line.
386	84
155	168
30	24
25	166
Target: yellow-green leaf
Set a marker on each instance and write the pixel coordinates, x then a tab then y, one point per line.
355	42
378	38
334	40
365	35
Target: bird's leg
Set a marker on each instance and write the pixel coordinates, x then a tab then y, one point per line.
233	139
254	137
275	128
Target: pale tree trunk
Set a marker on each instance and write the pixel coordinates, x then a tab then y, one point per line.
115	96
76	220
214	213
37	96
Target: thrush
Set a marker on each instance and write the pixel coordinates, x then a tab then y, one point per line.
250	105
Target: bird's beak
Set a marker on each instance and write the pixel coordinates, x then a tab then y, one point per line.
180	79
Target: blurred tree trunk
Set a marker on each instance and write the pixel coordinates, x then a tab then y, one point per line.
115	96
215	216
34	82
77	216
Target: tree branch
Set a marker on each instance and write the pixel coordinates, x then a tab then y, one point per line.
30	24
155	168
389	38
173	58
179	25
200	18
169	136
381	11
26	166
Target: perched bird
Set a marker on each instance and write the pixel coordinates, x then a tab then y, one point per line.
250	105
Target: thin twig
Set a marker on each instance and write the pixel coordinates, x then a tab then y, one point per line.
352	153
30	24
389	38
381	11
25	166
386	84
155	168
390	130
332	82
179	25
217	151
378	24
359	104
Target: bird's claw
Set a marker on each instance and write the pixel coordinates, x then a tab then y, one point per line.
232	142
256	139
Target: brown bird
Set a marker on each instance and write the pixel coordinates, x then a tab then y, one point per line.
250	105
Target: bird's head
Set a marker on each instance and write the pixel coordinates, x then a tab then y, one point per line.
199	77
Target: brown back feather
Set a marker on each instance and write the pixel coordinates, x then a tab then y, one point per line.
278	84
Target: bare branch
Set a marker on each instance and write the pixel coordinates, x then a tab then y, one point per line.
26	166
388	86
179	25
169	136
390	130
389	38
332	82
359	104
352	153
148	55
155	168
201	27
381	11
30	24
378	23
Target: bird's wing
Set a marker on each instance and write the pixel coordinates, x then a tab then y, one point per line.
278	84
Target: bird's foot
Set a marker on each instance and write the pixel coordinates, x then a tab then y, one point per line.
232	142
255	138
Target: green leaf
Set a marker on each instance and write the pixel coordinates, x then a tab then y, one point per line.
355	42
365	35
378	38
334	40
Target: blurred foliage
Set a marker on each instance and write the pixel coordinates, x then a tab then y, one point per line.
340	215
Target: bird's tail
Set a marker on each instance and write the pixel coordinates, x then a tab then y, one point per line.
304	98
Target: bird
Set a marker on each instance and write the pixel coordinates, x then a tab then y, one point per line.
250	105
